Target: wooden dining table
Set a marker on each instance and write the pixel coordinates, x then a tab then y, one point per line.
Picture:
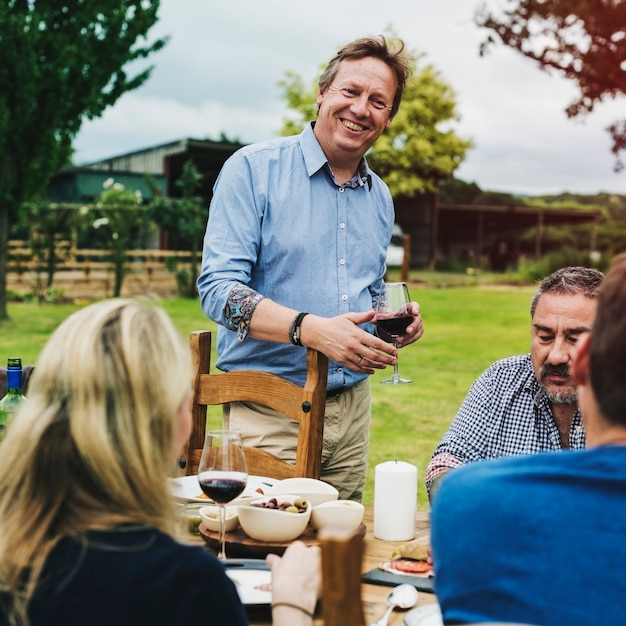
375	552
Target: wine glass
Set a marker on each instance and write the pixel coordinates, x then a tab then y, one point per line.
222	472
393	315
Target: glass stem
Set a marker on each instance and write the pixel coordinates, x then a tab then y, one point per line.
222	554
396	373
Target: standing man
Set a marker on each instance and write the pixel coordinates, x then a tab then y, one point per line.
294	254
528	403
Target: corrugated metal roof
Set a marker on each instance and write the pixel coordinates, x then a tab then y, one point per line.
151	160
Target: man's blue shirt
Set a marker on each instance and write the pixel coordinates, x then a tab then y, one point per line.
280	224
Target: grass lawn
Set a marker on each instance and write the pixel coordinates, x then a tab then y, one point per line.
466	329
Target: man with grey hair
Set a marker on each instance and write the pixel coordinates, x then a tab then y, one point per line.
528	403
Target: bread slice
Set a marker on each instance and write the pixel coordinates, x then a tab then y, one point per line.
415	549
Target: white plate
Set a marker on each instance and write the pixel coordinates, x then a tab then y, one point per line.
428	615
187	489
253	585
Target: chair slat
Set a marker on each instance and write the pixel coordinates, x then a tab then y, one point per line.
305	404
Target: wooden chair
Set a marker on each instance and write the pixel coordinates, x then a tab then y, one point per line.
305	404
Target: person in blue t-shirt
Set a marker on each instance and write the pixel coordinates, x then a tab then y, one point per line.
540	539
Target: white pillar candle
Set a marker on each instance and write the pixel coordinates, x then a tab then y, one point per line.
395	501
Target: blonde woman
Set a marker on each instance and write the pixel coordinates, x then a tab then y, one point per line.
88	526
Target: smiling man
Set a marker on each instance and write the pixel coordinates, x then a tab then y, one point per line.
527	404
294	254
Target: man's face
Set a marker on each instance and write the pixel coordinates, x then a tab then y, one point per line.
355	109
558	324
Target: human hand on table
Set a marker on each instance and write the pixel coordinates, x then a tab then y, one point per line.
296	580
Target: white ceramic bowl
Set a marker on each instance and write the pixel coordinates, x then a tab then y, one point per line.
342	514
273	525
210	515
315	491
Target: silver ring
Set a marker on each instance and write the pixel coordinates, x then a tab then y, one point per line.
359	359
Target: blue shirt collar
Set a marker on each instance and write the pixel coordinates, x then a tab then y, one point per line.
315	159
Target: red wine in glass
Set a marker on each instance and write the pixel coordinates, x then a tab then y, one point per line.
392	318
222	487
222	473
394	326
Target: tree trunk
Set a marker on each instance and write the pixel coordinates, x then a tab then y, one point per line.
5	210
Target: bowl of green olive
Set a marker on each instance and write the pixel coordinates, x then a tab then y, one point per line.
276	518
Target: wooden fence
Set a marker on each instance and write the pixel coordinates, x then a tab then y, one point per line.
21	259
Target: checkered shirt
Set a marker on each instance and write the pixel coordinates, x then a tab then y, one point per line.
505	413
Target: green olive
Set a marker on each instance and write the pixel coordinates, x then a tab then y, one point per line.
301	503
292	509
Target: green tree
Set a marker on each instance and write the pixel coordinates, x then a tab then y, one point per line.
186	217
51	232
583	41
419	149
119	218
62	61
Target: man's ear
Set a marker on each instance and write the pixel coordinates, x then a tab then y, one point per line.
580	368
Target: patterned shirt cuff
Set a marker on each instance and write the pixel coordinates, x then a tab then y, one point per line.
241	304
439	464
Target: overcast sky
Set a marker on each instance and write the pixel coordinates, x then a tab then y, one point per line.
220	72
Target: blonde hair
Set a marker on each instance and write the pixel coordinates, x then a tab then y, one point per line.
94	443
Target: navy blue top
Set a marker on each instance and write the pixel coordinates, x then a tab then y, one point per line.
134	576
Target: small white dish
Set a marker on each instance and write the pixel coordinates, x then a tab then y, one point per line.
210	515
341	514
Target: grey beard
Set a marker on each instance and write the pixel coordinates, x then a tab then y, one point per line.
562	396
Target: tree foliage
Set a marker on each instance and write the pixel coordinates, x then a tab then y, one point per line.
62	61
581	39
51	235
419	149
186	217
118	219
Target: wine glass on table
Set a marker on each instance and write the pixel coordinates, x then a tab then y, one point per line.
393	315
222	473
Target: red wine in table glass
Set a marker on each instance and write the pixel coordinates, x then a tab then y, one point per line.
392	317
222	473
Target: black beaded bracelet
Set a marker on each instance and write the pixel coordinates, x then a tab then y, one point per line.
294	329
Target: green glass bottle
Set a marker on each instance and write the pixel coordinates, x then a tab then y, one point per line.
14	396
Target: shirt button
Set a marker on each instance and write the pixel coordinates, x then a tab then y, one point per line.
342	225
344	297
342	261
340	370
342	189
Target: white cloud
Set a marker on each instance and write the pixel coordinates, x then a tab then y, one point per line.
219	74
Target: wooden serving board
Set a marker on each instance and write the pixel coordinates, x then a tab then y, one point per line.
240	545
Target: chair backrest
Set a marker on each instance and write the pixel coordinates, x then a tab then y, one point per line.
305	404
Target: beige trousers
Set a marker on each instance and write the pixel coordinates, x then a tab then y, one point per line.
346	436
